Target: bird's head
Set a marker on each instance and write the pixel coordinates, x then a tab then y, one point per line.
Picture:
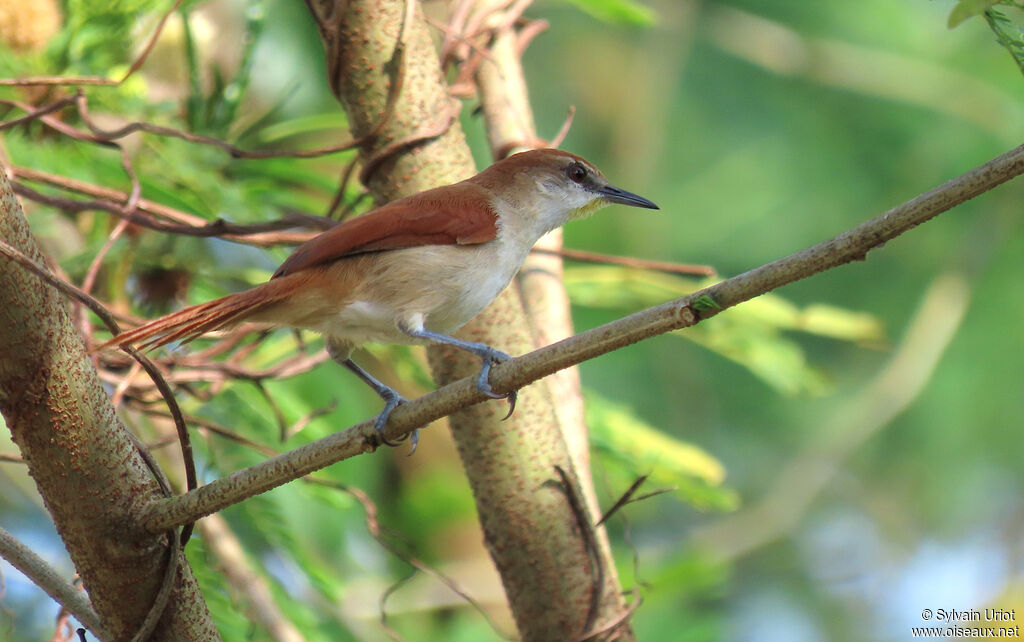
555	183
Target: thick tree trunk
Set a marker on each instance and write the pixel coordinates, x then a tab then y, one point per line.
506	107
81	457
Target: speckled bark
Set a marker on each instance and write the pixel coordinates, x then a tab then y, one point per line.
79	454
528	525
359	38
506	108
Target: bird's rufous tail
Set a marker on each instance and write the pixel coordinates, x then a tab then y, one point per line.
194	321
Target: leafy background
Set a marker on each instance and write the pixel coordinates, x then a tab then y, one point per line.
802	511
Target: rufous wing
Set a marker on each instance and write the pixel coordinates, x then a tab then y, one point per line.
458	214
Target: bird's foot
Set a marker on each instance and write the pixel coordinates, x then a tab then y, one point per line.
492	357
391	401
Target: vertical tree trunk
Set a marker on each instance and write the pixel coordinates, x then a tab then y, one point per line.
546	563
506	107
87	470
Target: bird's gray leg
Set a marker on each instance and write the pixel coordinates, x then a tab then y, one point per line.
490	356
342	355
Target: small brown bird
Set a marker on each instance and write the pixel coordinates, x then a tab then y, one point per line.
414	270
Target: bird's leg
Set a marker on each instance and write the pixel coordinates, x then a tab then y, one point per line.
390	396
490	356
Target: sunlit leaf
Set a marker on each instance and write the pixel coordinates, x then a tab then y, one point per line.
817	318
602	286
617	11
767	354
752	334
705	302
316	123
968	9
1009	35
618	433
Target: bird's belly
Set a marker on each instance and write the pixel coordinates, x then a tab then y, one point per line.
439	288
468	299
362	322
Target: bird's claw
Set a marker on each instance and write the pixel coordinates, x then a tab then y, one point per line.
511	396
390	403
483	383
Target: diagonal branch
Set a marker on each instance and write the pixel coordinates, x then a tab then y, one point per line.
684	312
47	578
263	234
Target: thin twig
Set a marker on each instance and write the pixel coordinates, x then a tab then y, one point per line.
218	228
623	499
161	211
570	488
616	621
211	426
56	80
156	610
43	114
563	131
94	267
583	256
45	577
33	114
148	47
63	632
339	194
374	528
430	132
528	32
110	135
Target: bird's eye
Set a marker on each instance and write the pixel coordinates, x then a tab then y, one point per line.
577	172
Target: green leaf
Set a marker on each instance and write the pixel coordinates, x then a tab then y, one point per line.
751	334
818	318
1008	35
617	11
619	435
314	124
705	302
769	356
602	286
968	9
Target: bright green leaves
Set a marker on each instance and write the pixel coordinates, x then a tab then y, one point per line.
1008	34
754	334
635	448
705	302
616	11
214	111
968	9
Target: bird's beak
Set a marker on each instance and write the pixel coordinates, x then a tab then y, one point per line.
613	194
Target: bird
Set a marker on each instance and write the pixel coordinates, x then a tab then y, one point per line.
412	271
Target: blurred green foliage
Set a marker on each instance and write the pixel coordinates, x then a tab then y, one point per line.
760	128
965	9
625	12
